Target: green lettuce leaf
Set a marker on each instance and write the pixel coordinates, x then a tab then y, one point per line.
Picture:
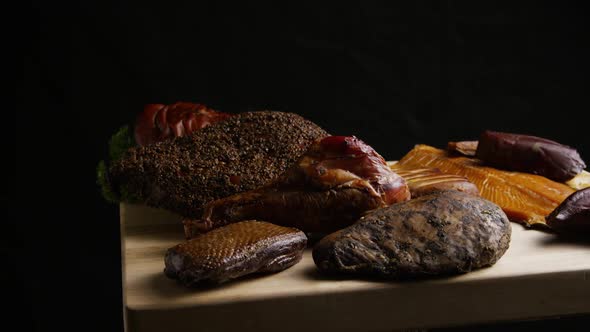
120	142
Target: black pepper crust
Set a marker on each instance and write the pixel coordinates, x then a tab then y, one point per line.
239	154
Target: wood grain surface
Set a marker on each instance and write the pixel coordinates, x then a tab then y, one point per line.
540	276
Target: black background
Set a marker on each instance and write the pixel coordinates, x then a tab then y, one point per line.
393	74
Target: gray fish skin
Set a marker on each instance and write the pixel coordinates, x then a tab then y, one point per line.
444	233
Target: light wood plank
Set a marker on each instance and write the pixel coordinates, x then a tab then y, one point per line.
539	276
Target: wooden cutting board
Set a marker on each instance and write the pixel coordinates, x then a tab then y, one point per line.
539	276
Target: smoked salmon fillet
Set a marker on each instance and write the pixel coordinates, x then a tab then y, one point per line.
423	181
525	198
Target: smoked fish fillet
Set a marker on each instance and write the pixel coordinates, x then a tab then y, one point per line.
423	181
525	198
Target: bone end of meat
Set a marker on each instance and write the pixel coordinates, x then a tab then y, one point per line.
447	232
234	251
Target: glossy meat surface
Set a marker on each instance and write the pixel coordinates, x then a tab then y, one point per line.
423	181
573	214
530	154
233	251
159	122
525	198
330	187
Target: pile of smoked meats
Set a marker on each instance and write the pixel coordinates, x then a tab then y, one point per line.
252	186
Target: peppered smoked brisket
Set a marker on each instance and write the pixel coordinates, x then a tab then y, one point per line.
232	156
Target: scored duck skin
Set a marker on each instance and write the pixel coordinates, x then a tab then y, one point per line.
233	251
332	185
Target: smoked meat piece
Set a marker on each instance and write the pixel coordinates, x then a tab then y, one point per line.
233	251
241	153
443	233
